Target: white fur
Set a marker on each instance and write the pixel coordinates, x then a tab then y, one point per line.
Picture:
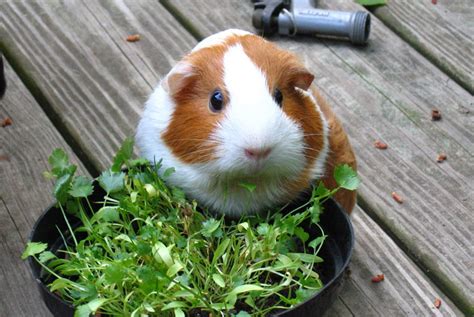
219	38
252	120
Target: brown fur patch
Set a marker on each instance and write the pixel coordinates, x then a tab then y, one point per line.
192	123
340	152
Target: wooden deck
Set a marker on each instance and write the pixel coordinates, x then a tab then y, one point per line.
75	83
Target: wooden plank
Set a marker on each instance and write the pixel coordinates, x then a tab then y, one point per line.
24	193
443	32
405	290
386	91
65	47
85	45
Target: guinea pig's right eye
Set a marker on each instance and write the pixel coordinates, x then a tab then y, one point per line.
216	103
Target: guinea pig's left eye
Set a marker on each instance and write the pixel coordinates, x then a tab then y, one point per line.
278	97
216	103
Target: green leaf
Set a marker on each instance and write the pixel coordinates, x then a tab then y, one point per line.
321	191
33	248
316	242
243	313
164	253
300	233
173	269
315	212
112	182
346	177
246	288
369	3
124	154
167	173
59	162
90	308
263	229
210	227
178	313
305	257
248	186
81	187
178	194
219	280
174	304
46	256
115	273
108	214
220	250
61	188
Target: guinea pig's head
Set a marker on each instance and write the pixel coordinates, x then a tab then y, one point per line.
237	121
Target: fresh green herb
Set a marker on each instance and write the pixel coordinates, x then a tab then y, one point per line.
144	250
371	3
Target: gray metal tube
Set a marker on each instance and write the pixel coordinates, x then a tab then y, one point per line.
305	19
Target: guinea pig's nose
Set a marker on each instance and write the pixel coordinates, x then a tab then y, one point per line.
257	154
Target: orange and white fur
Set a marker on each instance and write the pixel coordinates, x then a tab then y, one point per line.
238	110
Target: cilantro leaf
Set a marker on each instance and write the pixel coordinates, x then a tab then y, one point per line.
81	187
211	228
124	154
112	182
346	177
90	308
115	273
59	161
33	248
321	191
248	186
61	188
315	212
45	256
168	172
369	3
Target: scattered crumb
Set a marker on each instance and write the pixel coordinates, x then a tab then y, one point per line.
441	157
6	122
380	145
437	303
133	38
378	278
435	115
434	1
397	198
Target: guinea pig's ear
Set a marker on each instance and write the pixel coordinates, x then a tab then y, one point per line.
177	77
301	78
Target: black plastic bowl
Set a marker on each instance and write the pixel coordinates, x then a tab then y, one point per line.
336	252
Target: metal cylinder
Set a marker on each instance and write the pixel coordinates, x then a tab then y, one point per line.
308	20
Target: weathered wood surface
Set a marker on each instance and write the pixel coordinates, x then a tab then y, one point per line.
443	32
66	49
405	290
24	193
387	91
89	74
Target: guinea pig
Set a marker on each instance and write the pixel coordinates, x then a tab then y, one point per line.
238	110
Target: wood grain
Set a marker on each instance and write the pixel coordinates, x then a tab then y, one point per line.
443	32
79	59
24	194
386	91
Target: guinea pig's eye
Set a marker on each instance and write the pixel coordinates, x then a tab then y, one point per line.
278	97
216	103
